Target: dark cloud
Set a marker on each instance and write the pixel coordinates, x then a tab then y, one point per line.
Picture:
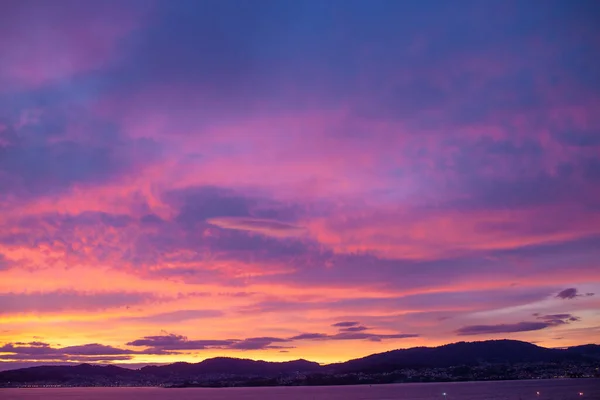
92	352
557	317
548	321
370	336
173	342
354	329
569	293
502	328
345	324
179	342
356	335
310	336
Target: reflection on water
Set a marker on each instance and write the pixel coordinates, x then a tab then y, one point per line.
516	390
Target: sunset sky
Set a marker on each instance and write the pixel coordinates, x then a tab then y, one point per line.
285	179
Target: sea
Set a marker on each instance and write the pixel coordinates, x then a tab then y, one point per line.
568	389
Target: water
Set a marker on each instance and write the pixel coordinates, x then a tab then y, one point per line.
515	390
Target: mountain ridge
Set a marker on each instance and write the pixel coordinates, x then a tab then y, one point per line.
449	355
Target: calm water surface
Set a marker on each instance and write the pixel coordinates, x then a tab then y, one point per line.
520	390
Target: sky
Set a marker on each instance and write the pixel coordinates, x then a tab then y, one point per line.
275	179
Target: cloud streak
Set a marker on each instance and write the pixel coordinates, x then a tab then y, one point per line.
263	226
548	321
66	300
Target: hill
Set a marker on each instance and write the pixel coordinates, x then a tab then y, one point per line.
231	366
463	353
222	368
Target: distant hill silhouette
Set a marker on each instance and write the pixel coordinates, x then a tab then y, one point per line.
456	354
465	353
588	350
64	373
232	366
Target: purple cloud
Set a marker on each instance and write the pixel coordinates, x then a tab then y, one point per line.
310	336
173	342
354	329
563	318
501	328
356	335
370	336
92	352
345	324
179	342
548	321
569	293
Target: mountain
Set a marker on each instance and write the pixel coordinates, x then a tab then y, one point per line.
231	366
176	371
451	355
462	353
65	373
588	350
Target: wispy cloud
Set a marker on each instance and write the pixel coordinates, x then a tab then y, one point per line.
547	322
263	226
65	300
176	316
